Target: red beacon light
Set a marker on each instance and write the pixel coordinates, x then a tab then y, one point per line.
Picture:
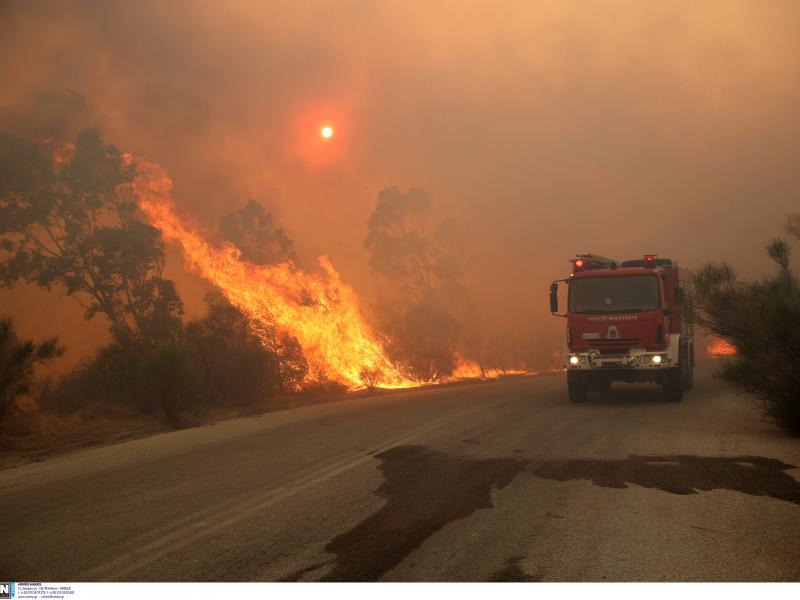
650	259
585	262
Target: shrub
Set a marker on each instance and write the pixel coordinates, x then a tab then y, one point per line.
166	381
762	320
235	366
17	361
422	338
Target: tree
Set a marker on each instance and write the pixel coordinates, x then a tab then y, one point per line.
17	361
70	220
253	231
425	266
761	319
422	331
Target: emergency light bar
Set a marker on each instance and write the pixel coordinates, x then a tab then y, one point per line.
650	261
584	262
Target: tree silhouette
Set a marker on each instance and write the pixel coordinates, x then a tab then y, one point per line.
253	231
422	332
401	249
17	361
69	220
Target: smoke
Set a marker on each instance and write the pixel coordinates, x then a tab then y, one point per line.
544	128
47	114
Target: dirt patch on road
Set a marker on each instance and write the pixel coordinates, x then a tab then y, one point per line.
683	474
424	491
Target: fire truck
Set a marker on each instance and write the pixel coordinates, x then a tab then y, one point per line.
626	321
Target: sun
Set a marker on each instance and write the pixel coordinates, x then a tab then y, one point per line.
326	132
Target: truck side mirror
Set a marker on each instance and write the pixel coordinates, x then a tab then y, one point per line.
554	297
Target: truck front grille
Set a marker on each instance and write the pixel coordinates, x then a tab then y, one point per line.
621	342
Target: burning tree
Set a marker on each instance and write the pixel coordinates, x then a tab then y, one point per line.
761	319
70	220
319	310
260	241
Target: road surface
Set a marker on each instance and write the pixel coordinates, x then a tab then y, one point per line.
498	481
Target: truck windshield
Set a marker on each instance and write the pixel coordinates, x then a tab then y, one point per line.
621	294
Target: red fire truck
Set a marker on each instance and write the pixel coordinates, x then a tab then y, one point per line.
626	321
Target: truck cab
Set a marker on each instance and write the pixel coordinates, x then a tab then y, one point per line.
625	321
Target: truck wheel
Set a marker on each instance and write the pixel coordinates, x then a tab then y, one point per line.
673	387
577	387
688	380
603	386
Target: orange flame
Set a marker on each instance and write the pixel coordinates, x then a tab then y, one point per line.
467	369
319	310
60	152
719	347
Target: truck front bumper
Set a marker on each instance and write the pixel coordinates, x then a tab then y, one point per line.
632	359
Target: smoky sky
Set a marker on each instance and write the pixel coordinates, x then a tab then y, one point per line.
542	128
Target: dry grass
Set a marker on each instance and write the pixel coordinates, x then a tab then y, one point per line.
32	434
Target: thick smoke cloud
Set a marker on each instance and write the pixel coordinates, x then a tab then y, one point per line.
543	128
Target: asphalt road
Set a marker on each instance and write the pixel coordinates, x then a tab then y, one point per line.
498	481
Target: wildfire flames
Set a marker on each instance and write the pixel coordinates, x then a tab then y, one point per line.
60	152
719	347
318	310
467	369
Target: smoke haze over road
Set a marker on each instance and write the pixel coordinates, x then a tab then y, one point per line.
543	129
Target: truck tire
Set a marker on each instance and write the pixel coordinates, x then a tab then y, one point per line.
603	386
577	387
688	380
673	387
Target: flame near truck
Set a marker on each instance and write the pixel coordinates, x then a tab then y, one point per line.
626	321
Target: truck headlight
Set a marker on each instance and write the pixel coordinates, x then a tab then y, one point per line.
656	359
574	360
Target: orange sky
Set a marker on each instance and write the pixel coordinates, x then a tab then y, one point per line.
543	128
